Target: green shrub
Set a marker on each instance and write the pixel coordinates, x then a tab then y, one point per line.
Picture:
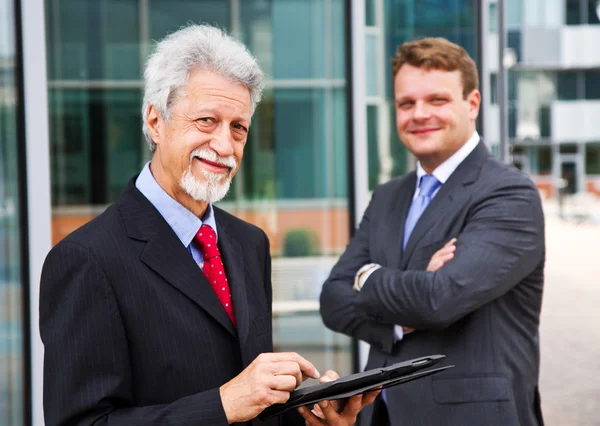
300	242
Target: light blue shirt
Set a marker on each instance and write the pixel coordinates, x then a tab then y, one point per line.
183	222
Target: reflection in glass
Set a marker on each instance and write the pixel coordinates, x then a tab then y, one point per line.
11	286
96	147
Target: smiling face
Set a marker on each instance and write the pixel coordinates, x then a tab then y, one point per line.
433	118
199	150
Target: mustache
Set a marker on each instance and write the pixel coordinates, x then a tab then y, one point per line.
209	155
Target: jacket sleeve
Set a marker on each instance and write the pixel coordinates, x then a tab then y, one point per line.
338	301
501	244
87	372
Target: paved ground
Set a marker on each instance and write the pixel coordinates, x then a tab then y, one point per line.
570	327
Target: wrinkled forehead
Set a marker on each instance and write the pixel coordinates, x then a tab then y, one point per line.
211	91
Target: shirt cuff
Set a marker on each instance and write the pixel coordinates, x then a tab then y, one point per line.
363	273
398	332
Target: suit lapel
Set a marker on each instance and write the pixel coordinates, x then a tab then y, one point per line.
165	254
233	260
451	197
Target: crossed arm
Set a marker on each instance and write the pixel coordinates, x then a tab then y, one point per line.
501	243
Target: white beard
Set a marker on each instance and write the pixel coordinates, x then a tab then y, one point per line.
213	189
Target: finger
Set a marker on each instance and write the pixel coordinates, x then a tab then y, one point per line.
282	383
434	265
306	366
287	368
310	417
446	257
274	396
450	243
350	412
445	250
329	376
317	411
369	397
354	405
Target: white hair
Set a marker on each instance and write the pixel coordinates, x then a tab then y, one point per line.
195	46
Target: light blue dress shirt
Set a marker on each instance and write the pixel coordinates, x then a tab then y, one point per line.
183	222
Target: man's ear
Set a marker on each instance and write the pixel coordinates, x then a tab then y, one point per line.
154	124
474	100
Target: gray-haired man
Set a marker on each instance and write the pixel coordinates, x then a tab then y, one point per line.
159	310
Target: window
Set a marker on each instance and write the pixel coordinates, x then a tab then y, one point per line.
580	12
370	11
568	148
514	13
494	88
592	84
593	10
493	15
543	163
373	145
573	12
592	158
566	85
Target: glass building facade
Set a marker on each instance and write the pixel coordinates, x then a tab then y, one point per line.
553	91
12	285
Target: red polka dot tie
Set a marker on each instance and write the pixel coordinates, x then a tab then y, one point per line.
213	267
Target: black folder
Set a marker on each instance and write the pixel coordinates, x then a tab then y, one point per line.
358	383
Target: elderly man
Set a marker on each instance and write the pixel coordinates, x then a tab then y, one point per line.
159	310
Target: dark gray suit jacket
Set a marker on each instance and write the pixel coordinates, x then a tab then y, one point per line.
481	309
133	332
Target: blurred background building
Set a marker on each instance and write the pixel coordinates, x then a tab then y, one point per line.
553	63
322	138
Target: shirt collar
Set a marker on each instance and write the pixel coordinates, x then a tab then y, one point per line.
443	172
183	222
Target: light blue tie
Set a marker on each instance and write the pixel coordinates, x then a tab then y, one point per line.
427	187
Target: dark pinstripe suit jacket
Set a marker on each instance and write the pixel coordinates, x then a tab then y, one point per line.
481	309
133	332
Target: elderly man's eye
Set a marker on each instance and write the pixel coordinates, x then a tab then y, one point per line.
238	126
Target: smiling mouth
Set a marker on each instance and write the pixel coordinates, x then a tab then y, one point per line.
218	167
421	132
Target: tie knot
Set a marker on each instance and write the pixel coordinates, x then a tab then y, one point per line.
207	241
428	185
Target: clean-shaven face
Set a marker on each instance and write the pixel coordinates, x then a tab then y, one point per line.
433	118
